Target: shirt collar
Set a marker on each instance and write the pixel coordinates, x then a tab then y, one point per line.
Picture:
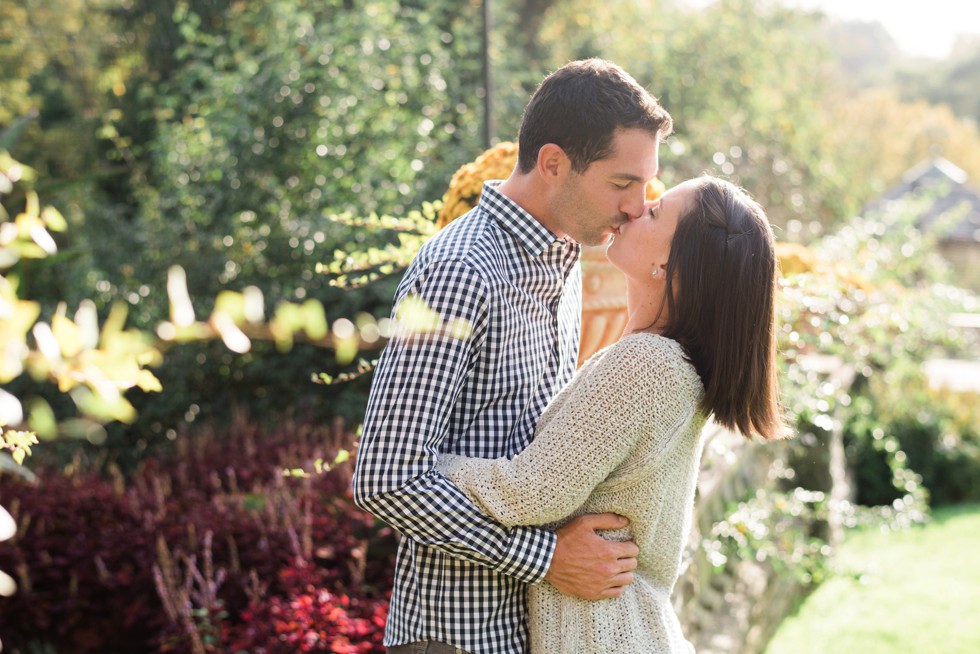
525	228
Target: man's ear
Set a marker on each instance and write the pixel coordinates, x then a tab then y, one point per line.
553	164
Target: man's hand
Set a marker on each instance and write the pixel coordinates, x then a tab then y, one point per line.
587	565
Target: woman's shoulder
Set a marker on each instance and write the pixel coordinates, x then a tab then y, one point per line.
645	345
644	356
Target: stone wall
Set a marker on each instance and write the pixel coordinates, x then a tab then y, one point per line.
735	609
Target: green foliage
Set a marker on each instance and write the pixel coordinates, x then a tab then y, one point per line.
856	328
357	267
94	365
878	314
250	148
744	119
58	73
775	527
933	432
772	98
954	82
49	355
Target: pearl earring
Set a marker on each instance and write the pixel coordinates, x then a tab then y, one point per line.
656	272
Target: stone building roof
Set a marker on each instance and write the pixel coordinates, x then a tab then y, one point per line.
954	189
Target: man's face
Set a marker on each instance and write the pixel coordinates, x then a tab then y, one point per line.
591	207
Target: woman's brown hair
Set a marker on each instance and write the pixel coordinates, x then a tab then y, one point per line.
721	288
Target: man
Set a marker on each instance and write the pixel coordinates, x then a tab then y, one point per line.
509	272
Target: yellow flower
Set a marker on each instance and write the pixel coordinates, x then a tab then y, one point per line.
467	183
795	258
655	189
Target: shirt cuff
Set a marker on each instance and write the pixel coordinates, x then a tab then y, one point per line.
529	554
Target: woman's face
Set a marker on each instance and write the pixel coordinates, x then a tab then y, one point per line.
643	245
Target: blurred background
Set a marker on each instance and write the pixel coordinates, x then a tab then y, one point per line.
206	205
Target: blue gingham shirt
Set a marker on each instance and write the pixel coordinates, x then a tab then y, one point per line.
460	577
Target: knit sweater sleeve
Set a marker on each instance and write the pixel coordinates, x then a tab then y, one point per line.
634	389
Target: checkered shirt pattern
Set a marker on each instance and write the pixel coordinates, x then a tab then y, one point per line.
460	577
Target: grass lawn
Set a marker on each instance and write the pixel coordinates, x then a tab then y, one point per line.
896	593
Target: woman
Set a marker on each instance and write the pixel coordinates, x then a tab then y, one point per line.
625	435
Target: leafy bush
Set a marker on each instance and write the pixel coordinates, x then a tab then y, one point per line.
774	526
276	119
243	542
875	306
934	432
237	136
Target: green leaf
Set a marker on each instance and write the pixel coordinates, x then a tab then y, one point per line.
10	135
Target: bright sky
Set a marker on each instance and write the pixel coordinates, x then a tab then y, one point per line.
923	28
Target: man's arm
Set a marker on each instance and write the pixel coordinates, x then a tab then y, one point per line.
592	429
416	384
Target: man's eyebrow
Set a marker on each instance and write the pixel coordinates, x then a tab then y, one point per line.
631	177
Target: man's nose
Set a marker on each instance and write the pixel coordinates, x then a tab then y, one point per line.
635	206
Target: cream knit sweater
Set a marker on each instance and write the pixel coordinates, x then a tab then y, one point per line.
625	437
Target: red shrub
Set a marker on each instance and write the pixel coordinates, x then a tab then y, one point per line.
212	550
80	563
309	618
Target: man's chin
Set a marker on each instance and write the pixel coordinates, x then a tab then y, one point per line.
605	239
596	240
